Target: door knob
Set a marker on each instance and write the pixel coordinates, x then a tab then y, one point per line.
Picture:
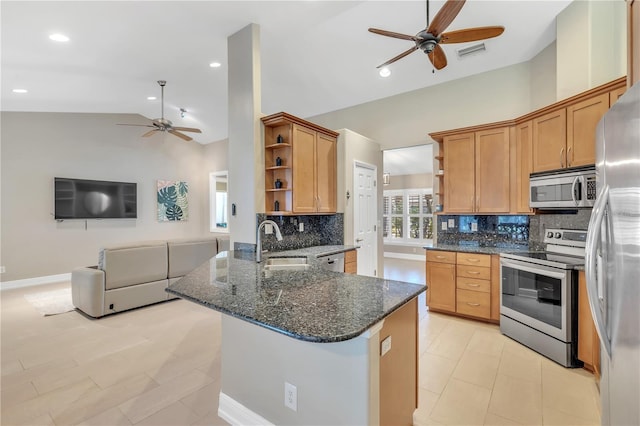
359	240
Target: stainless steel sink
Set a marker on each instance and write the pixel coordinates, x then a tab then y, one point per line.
286	264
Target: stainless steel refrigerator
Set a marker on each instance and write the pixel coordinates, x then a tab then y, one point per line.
613	259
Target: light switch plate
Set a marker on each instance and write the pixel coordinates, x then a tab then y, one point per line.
301	227
452	223
444	226
268	228
474	226
385	346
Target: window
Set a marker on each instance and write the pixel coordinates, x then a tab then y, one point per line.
408	215
218	208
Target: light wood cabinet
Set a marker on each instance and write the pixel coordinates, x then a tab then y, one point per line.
550	141
582	119
524	165
459	173
614	95
441	281
464	284
588	342
351	262
306	170
476	170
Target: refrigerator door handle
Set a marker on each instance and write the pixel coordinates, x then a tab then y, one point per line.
593	237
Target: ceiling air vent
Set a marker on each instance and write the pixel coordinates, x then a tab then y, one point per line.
471	50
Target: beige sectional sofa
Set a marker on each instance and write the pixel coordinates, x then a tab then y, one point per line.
137	274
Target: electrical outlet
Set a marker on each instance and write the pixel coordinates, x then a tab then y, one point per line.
268	228
452	223
2	270
474	227
290	396
385	346
301	227
444	226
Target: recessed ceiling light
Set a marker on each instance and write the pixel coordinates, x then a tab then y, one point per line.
20	90
59	37
385	72
215	64
151	98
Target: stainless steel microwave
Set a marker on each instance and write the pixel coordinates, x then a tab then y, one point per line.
563	189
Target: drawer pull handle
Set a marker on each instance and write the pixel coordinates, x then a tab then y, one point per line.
474	272
473	304
440	257
473	260
473	285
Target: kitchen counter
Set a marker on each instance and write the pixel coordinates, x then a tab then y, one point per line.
484	248
315	251
315	305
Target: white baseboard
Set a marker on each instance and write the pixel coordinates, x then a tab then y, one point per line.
235	413
28	282
407	256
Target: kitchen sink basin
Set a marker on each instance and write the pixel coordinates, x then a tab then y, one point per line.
286	264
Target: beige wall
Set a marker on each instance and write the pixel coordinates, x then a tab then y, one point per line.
406	119
543	77
417	181
36	147
591	45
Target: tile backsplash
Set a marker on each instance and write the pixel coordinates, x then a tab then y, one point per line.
576	219
318	230
482	229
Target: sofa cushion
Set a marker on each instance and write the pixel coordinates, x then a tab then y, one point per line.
187	254
133	264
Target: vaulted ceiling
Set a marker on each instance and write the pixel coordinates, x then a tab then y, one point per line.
316	56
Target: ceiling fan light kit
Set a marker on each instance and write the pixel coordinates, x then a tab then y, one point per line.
430	39
164	125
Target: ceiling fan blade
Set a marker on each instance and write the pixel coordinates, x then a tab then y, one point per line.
445	16
149	133
138	125
392	34
180	135
400	56
187	129
438	58
471	34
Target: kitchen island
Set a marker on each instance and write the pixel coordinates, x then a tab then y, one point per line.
319	331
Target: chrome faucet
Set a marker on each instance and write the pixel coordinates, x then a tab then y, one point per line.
258	241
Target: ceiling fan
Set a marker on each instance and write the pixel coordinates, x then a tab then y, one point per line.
164	125
429	39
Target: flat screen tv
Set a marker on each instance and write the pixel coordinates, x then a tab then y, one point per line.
94	199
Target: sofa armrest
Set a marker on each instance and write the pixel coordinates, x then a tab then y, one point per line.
87	290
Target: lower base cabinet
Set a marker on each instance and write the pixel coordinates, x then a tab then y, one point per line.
466	284
351	262
588	341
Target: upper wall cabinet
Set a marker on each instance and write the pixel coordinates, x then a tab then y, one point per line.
300	166
476	171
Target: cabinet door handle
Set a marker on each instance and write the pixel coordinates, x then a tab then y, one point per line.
474	272
473	304
473	259
473	285
562	157
569	157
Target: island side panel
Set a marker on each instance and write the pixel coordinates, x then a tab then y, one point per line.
332	379
399	366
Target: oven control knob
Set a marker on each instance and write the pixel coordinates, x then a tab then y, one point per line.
558	235
549	234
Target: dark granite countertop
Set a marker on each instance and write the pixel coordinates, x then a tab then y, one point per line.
486	248
315	305
315	251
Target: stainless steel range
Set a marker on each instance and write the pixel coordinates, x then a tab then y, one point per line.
538	303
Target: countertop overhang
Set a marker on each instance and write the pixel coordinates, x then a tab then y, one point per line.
315	305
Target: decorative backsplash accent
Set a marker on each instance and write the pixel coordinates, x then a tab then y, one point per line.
483	230
318	230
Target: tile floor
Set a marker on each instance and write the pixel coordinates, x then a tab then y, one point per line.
159	365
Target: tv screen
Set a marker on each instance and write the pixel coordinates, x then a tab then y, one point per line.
94	199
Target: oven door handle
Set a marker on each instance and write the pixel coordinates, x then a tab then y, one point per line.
533	268
593	237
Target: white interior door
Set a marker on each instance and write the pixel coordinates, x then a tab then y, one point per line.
365	217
